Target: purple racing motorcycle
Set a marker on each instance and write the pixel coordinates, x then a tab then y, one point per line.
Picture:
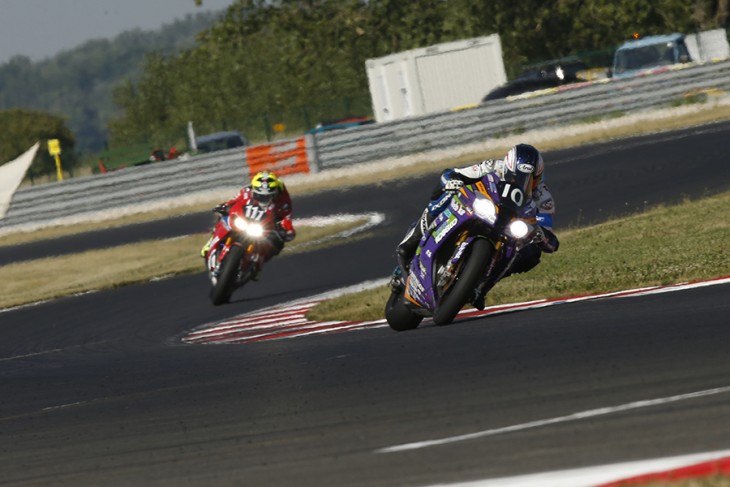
469	247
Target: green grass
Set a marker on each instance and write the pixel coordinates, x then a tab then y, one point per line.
665	245
53	277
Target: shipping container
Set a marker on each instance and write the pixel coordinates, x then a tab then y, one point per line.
710	45
436	78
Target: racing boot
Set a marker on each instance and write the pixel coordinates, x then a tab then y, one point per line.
480	294
206	248
397	281
257	260
256	275
407	248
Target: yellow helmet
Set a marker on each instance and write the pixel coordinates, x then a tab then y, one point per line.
265	185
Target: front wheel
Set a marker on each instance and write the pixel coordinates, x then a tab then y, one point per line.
399	317
226	283
462	290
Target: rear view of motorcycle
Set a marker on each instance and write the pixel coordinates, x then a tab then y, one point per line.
469	248
236	257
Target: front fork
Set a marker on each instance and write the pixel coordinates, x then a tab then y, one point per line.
492	275
446	274
215	260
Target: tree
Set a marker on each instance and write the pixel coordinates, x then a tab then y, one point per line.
79	82
20	129
267	60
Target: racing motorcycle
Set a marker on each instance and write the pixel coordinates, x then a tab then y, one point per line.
234	259
469	247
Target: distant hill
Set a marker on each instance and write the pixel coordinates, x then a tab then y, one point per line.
77	84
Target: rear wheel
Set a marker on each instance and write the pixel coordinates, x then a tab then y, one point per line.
463	289
225	285
399	317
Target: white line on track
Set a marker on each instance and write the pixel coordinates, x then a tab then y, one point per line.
53	350
560	419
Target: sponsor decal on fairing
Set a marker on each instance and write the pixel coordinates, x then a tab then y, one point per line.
422	270
454	205
444	229
492	185
415	288
460	252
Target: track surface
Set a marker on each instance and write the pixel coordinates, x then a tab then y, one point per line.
97	389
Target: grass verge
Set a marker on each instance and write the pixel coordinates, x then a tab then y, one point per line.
666	245
716	480
54	277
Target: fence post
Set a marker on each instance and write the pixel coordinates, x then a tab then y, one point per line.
267	126
305	117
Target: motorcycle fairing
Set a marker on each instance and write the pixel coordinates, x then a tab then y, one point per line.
420	286
457	217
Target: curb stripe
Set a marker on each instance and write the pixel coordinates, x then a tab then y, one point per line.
720	466
289	320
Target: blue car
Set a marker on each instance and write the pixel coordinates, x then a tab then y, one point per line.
643	55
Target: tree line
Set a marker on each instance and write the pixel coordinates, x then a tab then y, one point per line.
77	84
286	58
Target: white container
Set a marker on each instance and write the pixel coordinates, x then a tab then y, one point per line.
433	79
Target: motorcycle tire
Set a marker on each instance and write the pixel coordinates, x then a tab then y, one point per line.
399	317
223	290
463	289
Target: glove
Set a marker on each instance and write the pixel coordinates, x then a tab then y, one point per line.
285	230
487	165
453	185
222	209
546	240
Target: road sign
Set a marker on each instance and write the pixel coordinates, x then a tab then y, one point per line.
54	147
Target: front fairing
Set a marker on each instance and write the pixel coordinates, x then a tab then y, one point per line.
251	213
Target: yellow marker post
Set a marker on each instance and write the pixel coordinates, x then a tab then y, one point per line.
54	149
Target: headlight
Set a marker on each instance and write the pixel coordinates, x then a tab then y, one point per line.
485	209
240	223
518	229
255	230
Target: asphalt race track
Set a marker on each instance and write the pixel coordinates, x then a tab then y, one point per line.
98	390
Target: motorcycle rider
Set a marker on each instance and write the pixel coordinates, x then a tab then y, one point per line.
268	191
520	158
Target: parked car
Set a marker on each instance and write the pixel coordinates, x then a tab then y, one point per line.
639	56
341	123
220	141
548	74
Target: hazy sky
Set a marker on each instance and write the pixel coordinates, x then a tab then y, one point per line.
42	28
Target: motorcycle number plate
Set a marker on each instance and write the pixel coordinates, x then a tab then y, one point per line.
254	213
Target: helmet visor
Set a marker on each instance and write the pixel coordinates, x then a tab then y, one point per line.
264	198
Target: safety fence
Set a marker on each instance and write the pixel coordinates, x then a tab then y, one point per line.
346	147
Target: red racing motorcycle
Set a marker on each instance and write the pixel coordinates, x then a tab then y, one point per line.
236	257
